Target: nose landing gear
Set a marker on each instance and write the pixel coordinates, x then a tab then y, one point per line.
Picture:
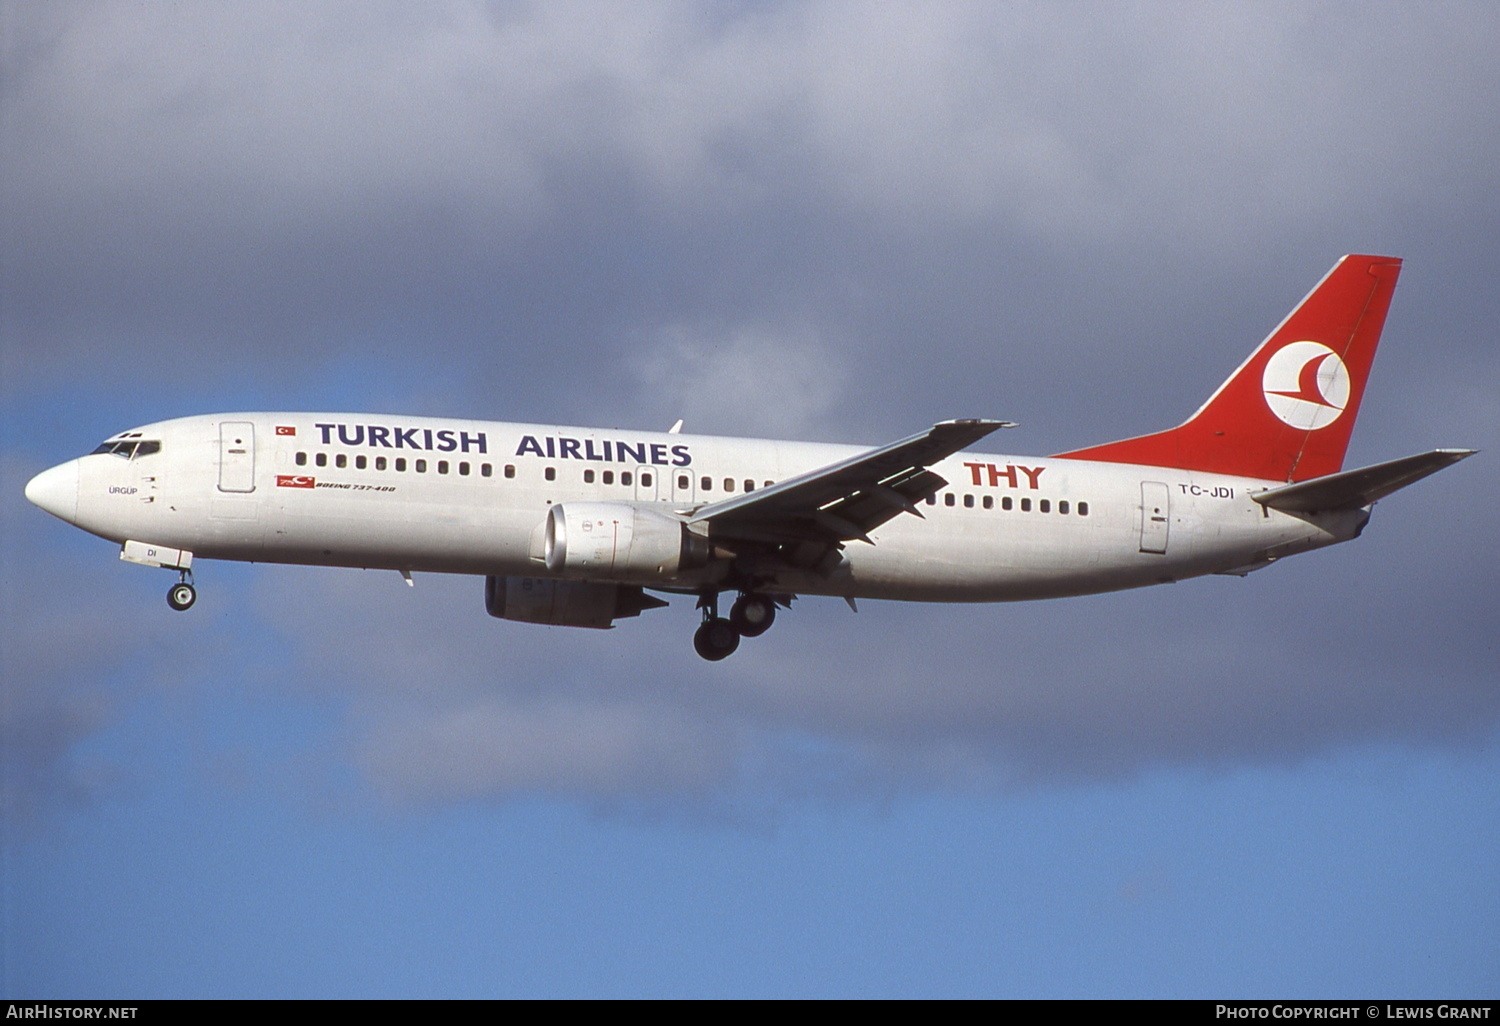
182	595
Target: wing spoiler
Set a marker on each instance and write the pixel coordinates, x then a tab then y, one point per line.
1352	489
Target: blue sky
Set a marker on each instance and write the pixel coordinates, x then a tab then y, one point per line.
794	220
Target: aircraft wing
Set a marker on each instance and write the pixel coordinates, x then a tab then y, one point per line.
1355	488
845	500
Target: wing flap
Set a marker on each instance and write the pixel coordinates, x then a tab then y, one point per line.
847	500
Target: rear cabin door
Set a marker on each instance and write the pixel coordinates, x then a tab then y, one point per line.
1156	510
236	456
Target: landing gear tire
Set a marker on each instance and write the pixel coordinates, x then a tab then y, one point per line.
716	639
752	615
182	596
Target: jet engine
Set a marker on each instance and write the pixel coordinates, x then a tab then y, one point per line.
613	539
564	603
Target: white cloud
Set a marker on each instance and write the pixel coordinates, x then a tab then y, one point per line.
744	380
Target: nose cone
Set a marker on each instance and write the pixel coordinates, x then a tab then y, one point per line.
56	490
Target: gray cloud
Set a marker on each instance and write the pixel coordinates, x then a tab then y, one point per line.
206	174
776	219
64	633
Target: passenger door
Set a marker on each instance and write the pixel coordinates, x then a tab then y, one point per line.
236	456
1156	512
681	484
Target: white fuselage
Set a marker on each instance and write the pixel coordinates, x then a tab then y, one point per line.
470	497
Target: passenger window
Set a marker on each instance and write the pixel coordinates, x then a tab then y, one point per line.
588	477
645	480
420	466
769	483
550	474
1045	506
1025	505
401	464
1005	502
359	463
463	469
442	466
968	502
749	485
1083	509
1062	507
379	462
729	484
300	459
989	502
608	477
949	500
485	470
626	477
510	471
682	481
932	500
321	459
706	483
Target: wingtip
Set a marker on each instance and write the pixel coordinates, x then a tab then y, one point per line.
978	422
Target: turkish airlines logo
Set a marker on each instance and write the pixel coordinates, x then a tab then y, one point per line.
295	481
1306	384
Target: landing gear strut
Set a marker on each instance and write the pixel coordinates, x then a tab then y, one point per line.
182	594
716	638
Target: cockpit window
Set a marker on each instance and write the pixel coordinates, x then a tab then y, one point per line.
129	448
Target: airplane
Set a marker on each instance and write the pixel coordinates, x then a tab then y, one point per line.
578	526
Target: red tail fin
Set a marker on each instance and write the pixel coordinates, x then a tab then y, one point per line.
1286	414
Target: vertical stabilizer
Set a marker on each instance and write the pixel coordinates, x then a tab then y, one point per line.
1286	414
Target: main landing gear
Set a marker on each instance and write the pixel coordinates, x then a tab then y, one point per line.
717	637
752	615
182	595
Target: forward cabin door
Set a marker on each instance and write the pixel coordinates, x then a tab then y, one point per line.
1156	511
646	483
236	456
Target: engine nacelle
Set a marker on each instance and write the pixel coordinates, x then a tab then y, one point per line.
614	539
564	603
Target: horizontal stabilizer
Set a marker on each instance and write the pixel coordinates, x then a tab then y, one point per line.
1355	488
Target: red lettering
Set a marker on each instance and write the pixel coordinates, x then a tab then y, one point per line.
1009	473
1032	473
975	468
